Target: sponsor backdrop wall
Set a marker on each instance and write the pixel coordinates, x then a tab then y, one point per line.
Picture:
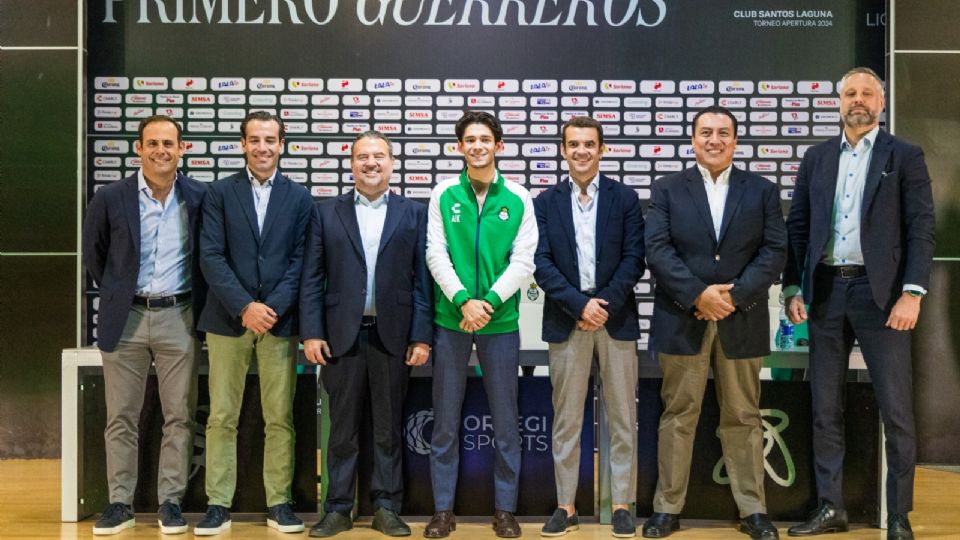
409	67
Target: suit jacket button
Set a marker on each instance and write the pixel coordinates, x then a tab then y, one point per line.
716	257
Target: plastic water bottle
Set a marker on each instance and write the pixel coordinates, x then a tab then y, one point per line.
786	342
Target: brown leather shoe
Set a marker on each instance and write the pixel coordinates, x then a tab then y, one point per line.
440	525
505	525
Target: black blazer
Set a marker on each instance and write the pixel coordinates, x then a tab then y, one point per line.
896	220
619	241
111	250
242	265
333	288
684	255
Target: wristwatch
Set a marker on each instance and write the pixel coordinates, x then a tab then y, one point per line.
916	294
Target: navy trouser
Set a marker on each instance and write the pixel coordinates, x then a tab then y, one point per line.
499	356
844	309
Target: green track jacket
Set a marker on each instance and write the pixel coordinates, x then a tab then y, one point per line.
483	254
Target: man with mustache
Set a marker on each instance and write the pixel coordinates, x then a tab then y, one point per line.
481	237
715	243
251	252
861	233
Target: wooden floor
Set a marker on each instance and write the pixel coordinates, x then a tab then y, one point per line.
30	508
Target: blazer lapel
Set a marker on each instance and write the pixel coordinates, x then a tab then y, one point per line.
348	217
734	193
828	171
278	193
131	209
395	211
605	189
883	146
698	194
244	193
566	214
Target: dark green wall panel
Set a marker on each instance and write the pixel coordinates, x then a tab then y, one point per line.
38	318
31	23
928	114
927	25
38	151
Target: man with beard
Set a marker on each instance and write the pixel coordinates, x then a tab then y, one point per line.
366	314
861	232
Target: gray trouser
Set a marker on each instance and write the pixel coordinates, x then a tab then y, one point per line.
163	337
737	383
570	363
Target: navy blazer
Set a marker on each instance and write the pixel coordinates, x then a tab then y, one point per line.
896	217
685	256
333	289
243	265
111	250
619	259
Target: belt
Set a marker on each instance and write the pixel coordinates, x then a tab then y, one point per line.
589	292
368	320
849	271
158	302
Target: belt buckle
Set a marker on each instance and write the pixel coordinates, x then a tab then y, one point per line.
161	302
848	272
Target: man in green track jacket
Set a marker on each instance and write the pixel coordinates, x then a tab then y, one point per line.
481	237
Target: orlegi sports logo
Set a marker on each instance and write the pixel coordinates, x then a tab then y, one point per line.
477	432
414	429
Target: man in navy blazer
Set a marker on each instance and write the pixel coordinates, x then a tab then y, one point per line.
861	230
251	252
588	260
366	315
139	244
715	242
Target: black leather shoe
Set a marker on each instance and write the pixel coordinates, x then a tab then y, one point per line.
825	519
505	525
661	525
898	527
440	525
758	526
332	523
389	523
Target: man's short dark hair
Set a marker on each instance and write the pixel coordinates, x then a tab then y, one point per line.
479	117
581	122
373	134
716	109
262	116
158	118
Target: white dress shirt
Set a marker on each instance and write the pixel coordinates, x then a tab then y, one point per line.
585	230
370	218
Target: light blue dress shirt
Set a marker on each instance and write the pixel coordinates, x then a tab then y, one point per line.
585	230
371	216
261	196
164	243
843	247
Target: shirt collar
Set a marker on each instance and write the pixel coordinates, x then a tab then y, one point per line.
143	187
870	138
256	183
724	177
361	199
592	187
